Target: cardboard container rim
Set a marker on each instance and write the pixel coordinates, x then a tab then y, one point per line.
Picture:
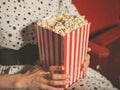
36	25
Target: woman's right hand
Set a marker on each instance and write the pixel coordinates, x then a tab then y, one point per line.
41	79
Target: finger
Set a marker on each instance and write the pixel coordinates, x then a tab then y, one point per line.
60	76
84	72
89	49
87	61
86	64
45	73
87	57
40	73
47	87
58	82
54	82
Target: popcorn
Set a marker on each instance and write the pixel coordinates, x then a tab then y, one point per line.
63	23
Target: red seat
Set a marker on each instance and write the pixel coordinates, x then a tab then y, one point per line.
101	14
99	51
107	37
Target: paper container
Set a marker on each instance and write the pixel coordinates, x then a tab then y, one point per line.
69	50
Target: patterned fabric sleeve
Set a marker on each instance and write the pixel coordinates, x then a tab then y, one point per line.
93	81
17	18
66	6
14	69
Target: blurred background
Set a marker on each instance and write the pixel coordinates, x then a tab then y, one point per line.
104	16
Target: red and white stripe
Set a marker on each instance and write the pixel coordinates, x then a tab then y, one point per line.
69	50
76	55
75	51
80	53
86	37
50	48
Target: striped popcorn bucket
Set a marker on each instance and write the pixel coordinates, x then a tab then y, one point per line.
69	50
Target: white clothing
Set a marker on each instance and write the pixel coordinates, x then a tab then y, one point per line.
17	18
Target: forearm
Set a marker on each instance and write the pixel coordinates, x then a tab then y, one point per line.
9	81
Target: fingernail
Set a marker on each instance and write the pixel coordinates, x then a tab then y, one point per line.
48	72
62	67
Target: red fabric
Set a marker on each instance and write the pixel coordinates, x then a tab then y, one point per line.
99	51
108	37
101	13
